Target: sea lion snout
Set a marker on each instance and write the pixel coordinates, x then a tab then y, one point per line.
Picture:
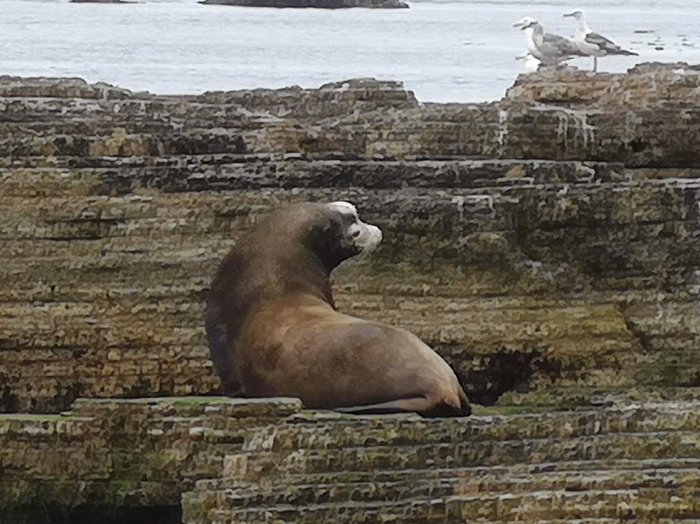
366	237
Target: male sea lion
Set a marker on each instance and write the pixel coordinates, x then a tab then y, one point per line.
273	328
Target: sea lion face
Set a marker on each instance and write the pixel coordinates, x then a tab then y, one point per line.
361	236
344	235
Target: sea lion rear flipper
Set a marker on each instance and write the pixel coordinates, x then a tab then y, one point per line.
420	405
403	405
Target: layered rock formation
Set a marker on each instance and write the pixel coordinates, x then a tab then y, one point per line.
546	245
608	466
268	461
102	2
126	454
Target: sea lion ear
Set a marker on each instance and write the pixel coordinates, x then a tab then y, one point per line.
322	229
327	225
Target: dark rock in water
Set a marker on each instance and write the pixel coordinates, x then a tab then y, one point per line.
102	2
319	4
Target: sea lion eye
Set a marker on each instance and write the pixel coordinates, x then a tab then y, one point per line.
355	233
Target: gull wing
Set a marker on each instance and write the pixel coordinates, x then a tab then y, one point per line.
558	45
604	44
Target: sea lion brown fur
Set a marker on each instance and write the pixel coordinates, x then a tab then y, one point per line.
273	328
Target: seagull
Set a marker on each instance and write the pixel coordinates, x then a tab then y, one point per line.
591	43
548	48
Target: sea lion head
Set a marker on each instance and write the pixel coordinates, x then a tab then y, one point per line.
340	234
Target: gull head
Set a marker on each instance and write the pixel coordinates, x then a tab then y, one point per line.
525	23
576	13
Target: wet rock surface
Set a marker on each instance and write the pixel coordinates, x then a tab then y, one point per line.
546	245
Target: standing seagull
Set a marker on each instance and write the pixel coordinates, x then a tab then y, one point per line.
591	43
547	48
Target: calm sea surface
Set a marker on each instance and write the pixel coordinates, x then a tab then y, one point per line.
444	51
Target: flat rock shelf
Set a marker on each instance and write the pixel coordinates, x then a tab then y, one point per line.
234	460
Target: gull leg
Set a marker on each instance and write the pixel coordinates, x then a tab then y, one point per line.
595	64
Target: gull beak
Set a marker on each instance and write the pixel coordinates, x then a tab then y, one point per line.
525	23
568	14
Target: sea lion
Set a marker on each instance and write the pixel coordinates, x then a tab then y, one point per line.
273	328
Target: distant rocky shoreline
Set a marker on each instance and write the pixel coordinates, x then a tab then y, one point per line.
102	2
318	4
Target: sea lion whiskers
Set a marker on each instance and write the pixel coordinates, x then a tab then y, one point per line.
368	239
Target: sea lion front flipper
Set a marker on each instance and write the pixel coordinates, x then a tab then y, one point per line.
220	352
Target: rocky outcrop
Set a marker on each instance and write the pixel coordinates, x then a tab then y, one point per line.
121	454
102	2
318	4
597	466
547	246
268	461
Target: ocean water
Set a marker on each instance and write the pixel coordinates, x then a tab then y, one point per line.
462	51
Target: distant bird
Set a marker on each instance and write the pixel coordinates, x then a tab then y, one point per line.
531	63
548	48
591	43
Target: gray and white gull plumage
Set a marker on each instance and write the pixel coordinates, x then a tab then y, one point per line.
593	44
548	48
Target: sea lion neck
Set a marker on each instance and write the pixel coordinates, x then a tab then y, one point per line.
265	272
300	270
277	257
304	236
